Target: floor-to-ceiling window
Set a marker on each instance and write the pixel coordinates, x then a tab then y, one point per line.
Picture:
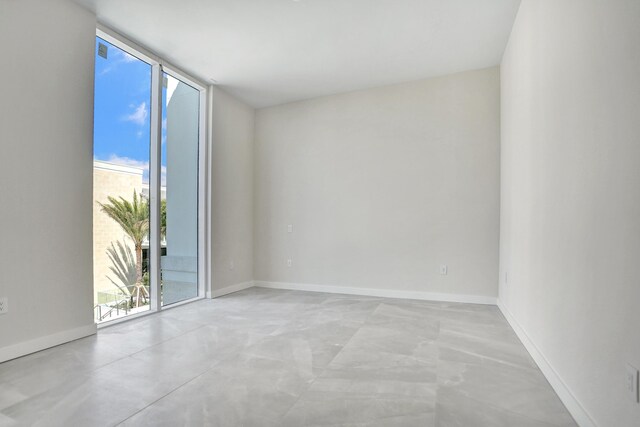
148	138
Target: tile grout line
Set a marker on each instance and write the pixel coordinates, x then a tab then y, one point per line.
186	382
129	355
326	367
179	386
90	372
167	340
163	396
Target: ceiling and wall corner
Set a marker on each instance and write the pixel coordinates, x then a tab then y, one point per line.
232	192
273	52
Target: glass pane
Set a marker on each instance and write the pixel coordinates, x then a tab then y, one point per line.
120	183
179	159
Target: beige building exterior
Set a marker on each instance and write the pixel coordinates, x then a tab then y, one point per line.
117	181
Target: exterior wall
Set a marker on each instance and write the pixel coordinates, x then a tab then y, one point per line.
116	181
180	264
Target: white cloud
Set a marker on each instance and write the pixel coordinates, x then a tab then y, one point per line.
118	57
105	71
127	161
139	115
126	58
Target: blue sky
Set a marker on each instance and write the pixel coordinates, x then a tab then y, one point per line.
121	113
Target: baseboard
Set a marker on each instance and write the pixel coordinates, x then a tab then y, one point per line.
47	341
574	407
230	289
384	293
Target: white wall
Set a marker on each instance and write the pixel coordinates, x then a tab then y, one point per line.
570	215
382	186
232	227
46	165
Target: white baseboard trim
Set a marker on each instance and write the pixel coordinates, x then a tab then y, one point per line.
384	293
574	407
230	289
47	341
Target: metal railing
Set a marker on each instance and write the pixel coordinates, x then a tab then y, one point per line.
110	303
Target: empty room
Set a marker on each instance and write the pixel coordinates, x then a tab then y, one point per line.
320	213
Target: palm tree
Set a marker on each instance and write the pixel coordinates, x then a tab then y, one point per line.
163	217
133	217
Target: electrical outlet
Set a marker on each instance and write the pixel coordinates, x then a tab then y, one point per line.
232	264
289	263
4	305
632	383
443	270
290	228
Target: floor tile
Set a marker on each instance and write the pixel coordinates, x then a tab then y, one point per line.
265	357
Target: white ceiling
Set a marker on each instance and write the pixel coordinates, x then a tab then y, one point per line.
269	52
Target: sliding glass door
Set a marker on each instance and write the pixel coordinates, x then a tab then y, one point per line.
148	137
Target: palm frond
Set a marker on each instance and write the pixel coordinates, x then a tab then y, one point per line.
133	216
123	267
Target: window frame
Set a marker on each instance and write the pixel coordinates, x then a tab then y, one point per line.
158	66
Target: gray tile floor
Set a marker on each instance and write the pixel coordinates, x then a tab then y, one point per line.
286	358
